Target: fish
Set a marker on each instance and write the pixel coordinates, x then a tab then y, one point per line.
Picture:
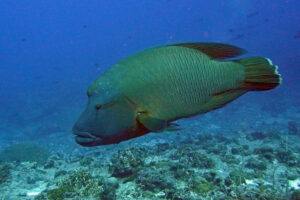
149	90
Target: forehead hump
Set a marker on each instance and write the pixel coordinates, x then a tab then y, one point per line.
102	91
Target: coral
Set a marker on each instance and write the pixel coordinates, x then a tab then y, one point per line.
256	164
193	158
287	157
23	152
237	177
246	147
218	150
60	193
201	186
238	150
163	171
127	162
180	171
60	173
265	152
156	181
210	176
31	179
260	192
235	150
5	173
292	175
160	165
109	189
230	159
161	147
49	164
79	183
86	161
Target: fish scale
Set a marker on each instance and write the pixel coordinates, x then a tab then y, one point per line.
185	77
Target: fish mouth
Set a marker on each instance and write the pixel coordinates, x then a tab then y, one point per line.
87	139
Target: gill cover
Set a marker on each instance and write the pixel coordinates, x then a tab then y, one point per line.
105	123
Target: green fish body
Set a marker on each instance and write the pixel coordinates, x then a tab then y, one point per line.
162	84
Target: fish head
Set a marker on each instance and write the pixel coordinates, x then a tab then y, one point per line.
105	120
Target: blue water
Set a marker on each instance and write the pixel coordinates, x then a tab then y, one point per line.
50	51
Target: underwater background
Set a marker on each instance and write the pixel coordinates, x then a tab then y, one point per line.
50	51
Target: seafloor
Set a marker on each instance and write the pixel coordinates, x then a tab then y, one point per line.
244	151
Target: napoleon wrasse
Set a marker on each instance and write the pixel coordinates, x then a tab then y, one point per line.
149	90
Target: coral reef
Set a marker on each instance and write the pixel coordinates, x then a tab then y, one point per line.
155	181
190	157
197	167
5	173
79	183
126	163
287	156
237	177
255	164
265	152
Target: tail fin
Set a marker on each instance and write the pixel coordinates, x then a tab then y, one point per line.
260	73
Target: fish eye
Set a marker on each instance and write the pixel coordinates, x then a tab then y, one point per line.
98	106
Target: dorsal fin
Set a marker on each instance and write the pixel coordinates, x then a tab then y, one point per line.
214	50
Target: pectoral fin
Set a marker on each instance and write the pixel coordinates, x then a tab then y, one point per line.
151	123
156	125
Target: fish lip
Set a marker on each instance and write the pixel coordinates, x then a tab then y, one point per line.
87	139
83	134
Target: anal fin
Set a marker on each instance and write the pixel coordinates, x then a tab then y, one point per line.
222	98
